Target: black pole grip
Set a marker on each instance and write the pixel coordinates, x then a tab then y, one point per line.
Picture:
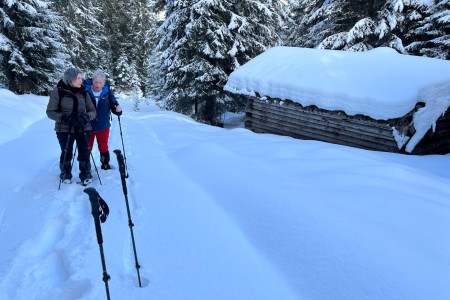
123	147
121	162
122	170
95	210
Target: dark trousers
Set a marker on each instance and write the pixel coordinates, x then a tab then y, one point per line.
82	139
66	139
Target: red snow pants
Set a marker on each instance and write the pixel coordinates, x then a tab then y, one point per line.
102	140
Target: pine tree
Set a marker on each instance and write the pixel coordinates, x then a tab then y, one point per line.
315	20
144	23
153	78
415	13
126	77
31	49
395	20
431	34
83	33
90	51
409	26
202	42
368	24
118	22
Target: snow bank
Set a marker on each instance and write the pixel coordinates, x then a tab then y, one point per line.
15	119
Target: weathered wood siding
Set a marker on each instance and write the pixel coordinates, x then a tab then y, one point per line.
292	119
437	141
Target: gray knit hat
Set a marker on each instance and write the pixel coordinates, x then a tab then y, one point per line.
71	74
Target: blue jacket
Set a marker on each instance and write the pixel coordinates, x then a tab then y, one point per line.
105	104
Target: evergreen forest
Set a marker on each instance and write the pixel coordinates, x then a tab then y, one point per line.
181	52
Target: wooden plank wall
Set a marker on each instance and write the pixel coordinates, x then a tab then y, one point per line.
292	119
438	141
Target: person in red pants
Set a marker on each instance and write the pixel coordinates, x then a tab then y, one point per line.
105	102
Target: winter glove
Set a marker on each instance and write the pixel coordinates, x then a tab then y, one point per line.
114	109
65	119
83	119
69	120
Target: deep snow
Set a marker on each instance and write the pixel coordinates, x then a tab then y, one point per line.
379	83
220	214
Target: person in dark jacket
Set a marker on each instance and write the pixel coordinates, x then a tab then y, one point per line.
105	102
71	108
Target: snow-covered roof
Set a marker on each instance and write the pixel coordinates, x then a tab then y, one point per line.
379	83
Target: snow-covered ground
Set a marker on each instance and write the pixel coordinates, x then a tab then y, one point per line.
220	214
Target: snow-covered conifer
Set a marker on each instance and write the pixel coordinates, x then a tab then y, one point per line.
349	25
31	49
431	34
202	42
418	27
126	77
153	79
315	20
144	25
83	33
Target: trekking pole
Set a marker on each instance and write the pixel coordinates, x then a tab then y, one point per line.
123	148
92	156
120	161
99	212
74	154
96	170
65	156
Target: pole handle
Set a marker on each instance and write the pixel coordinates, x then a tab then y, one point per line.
93	198
121	162
123	147
95	211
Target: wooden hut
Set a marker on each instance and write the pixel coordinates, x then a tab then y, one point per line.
418	124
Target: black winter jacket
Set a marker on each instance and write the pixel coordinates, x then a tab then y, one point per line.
80	101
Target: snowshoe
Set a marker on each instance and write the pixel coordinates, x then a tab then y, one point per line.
66	181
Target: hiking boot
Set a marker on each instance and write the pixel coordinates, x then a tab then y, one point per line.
85	170
104	160
66	172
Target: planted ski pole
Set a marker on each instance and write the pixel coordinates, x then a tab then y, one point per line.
74	154
120	161
92	157
66	148
100	212
123	148
96	170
